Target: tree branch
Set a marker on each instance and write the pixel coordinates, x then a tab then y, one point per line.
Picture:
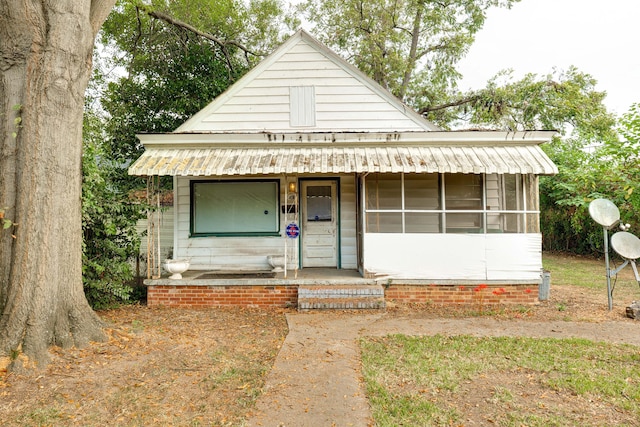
456	103
222	43
98	13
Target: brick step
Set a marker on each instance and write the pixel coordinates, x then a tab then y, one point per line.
339	297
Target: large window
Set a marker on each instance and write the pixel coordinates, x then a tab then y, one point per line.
451	203
222	208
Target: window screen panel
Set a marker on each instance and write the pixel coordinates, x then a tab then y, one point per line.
505	222
463	191
513	192
421	191
464	223
384	191
384	222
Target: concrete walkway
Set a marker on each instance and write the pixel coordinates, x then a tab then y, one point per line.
316	379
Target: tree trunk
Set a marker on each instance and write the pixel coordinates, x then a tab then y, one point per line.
45	64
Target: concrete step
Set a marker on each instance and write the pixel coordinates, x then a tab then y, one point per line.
340	297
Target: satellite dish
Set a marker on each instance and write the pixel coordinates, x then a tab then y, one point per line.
604	212
626	245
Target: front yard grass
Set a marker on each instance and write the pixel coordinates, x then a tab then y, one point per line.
465	380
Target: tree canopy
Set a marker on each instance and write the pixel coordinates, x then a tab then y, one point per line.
609	170
410	47
177	57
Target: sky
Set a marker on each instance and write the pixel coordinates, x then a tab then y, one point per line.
601	38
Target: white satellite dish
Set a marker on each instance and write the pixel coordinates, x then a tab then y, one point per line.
604	212
627	245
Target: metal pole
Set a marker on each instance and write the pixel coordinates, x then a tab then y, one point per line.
606	261
157	225
286	222
150	244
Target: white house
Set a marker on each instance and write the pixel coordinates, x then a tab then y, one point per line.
307	143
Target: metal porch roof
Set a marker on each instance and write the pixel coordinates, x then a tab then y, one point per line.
232	161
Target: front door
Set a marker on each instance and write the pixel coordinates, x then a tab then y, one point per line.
319	223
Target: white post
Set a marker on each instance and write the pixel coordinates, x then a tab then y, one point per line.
286	220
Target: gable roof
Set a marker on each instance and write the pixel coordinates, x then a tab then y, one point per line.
343	99
305	110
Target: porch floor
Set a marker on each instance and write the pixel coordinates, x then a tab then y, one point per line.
305	276
309	276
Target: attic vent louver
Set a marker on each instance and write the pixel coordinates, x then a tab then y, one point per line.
302	103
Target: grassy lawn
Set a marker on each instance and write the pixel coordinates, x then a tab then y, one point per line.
579	271
465	380
452	381
574	270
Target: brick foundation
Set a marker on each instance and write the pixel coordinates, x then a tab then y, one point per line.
463	294
287	295
217	296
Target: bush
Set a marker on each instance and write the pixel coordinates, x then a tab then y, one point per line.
110	238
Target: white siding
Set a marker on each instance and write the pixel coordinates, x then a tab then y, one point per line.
250	253
348	222
493	191
475	257
493	199
514	256
342	102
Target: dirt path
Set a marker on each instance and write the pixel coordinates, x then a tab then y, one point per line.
316	379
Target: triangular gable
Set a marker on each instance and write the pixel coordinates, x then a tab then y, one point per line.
305	87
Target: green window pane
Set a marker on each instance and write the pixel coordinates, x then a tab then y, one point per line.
235	207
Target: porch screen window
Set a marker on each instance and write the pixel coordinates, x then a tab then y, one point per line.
464	203
451	203
384	204
234	208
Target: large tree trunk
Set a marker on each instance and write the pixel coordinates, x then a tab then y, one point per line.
45	65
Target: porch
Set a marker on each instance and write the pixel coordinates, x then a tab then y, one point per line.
305	276
329	288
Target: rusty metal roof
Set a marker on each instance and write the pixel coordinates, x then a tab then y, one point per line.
238	161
